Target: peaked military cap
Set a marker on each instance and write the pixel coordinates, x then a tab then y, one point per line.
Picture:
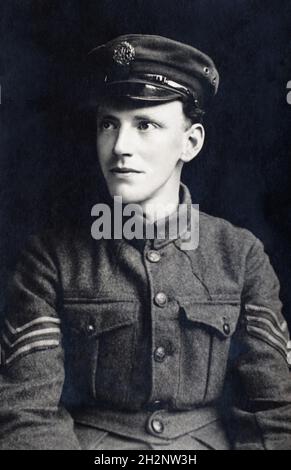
155	68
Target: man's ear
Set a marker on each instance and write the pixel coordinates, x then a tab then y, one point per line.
194	140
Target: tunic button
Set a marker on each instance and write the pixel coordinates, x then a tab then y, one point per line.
153	256
90	328
157	426
159	354
161	299
226	328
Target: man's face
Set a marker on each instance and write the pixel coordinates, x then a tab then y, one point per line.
140	148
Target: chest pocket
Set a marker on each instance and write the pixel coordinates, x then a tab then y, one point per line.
207	329
99	343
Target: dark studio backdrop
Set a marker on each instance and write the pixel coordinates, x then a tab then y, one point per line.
47	144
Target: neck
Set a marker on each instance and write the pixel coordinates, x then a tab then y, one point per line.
163	203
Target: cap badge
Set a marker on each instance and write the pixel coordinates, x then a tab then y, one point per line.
123	53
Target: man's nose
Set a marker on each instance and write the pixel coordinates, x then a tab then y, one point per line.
123	144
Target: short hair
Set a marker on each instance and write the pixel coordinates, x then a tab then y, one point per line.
192	112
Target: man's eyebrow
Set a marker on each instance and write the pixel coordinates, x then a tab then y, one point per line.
107	116
136	117
147	117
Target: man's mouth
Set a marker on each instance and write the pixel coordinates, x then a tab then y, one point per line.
124	170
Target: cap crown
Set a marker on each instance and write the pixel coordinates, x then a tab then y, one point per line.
164	65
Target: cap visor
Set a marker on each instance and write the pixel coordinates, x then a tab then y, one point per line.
141	91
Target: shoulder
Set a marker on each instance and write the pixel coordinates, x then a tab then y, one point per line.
226	252
59	241
221	234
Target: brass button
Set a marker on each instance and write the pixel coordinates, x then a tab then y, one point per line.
159	354
226	328
157	426
153	256
161	299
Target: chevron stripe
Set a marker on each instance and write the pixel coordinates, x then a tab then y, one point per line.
269	325
259	332
36	321
44	331
32	347
260	308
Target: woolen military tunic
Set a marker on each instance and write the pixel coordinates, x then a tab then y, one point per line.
146	340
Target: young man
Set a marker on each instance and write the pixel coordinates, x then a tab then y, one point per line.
146	343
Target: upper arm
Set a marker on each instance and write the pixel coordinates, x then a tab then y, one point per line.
32	357
260	373
30	321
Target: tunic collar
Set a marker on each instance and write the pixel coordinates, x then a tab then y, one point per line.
169	229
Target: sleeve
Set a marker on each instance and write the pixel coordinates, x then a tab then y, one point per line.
261	361
32	369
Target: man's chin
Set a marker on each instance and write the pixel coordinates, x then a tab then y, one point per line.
128	195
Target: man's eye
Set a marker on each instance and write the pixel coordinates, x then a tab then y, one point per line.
106	125
146	125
